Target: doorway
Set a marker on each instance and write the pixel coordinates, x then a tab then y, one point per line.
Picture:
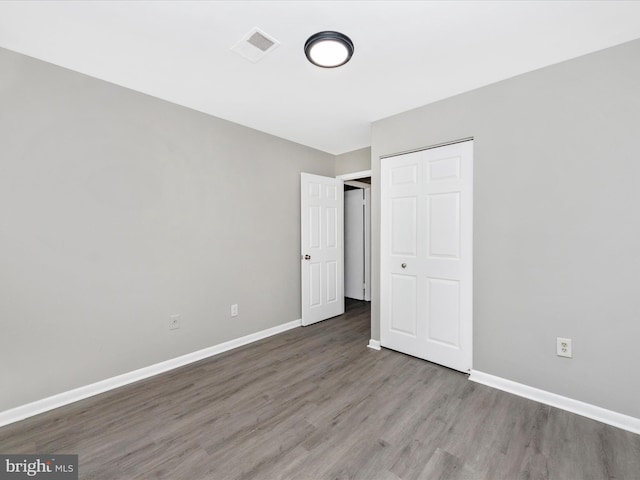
323	244
357	230
322	252
357	239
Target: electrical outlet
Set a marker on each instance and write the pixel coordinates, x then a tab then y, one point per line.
234	310
174	322
563	347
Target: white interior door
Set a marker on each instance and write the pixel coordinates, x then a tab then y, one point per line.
357	243
322	202
426	254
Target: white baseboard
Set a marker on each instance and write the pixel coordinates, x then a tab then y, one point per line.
375	344
593	412
40	406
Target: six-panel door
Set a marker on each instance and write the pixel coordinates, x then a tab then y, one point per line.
322	210
426	254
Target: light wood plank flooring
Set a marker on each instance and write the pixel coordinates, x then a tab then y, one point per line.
315	403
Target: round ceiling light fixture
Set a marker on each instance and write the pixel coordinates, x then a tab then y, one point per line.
328	49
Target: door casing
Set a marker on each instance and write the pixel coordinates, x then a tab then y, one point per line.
426	254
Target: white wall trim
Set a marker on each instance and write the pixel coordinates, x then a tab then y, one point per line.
600	414
375	344
40	406
354	175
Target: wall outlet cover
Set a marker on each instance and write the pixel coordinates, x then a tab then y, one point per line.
563	347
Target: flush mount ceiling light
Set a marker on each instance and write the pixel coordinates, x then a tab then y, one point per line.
328	49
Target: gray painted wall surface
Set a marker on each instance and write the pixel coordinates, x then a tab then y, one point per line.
352	162
118	209
556	222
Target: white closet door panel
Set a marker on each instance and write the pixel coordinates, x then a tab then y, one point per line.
404	315
443	314
404	226
426	254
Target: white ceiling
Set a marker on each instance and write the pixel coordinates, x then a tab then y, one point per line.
407	54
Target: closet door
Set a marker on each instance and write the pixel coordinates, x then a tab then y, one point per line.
426	254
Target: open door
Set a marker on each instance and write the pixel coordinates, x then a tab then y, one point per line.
322	247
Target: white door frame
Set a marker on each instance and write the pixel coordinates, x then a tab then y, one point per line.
367	229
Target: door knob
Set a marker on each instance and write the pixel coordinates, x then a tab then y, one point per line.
307	257
404	265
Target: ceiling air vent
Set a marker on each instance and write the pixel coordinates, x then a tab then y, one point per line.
255	45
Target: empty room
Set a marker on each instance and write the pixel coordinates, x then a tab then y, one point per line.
319	240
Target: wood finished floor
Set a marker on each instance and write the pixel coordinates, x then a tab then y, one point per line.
315	403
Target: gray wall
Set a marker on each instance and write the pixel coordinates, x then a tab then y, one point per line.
118	209
556	222
352	162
